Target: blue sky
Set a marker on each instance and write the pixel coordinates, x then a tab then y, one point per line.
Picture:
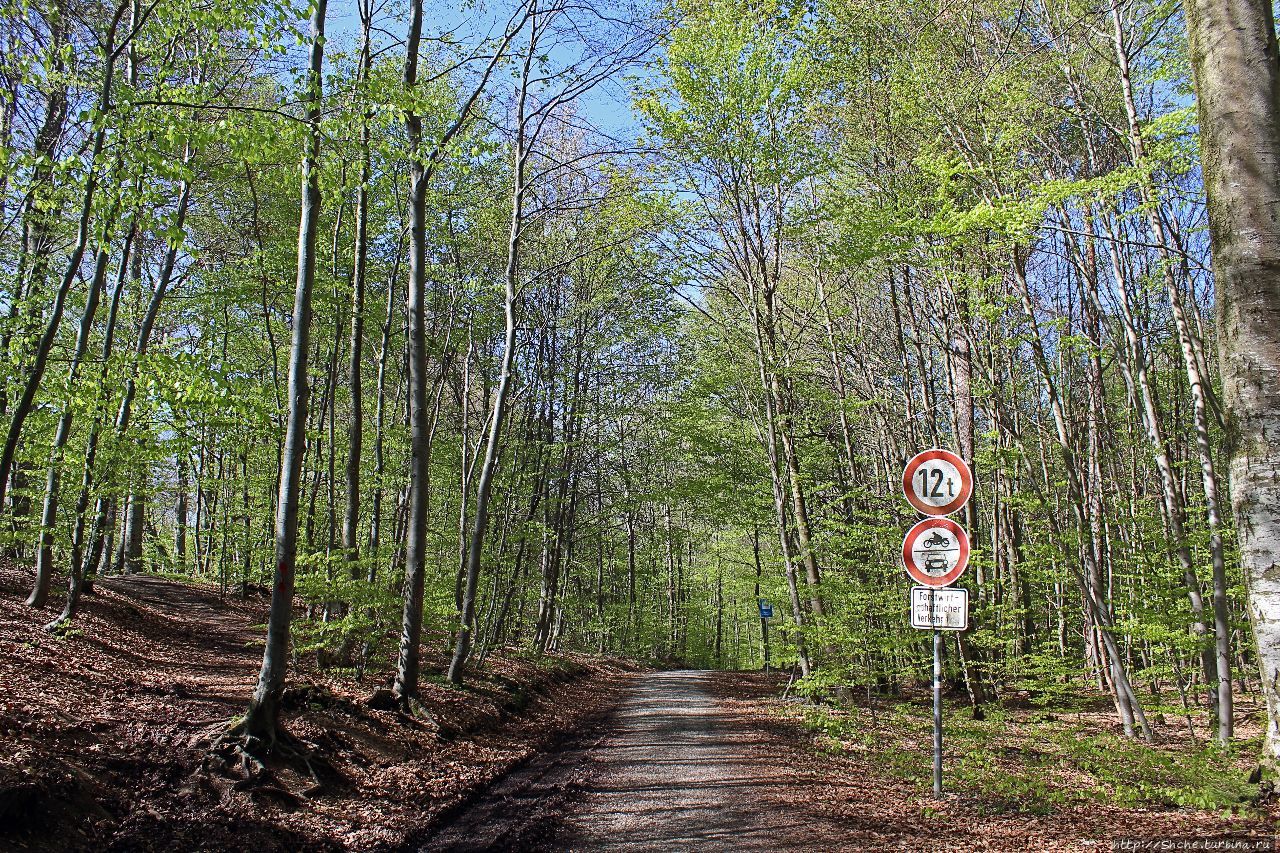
607	107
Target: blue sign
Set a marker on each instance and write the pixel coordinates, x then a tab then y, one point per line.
766	609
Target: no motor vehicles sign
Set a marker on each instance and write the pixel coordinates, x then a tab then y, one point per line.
935	552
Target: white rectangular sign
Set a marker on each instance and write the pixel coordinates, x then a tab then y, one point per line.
946	608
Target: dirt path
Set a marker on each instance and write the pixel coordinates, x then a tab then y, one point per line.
704	761
681	771
673	768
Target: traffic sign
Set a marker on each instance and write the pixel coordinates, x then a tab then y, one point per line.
935	552
766	609
937	482
946	609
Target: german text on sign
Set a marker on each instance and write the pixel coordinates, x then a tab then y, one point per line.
945	609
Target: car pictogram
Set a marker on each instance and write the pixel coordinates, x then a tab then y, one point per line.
936	563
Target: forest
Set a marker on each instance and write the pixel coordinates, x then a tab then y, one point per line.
549	330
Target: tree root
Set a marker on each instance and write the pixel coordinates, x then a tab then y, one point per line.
59	626
237	745
238	752
411	707
414	711
248	752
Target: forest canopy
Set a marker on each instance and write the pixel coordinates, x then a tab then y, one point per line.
591	326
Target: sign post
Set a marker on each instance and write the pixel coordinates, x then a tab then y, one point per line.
935	553
766	613
937	713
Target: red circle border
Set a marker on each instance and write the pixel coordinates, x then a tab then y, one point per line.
929	580
966	481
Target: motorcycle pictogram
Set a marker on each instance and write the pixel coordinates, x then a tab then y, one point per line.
937	540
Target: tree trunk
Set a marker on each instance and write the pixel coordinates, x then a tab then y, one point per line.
1237	73
466	629
180	511
40	360
379	415
41	209
49	513
406	682
355	431
1216	661
83	570
1096	605
261	720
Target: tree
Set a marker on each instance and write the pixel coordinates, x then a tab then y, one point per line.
1237	75
423	162
260	723
112	47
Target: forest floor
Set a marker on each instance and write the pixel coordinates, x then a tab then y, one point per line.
1018	780
105	734
105	731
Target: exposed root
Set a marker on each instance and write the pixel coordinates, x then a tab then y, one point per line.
410	706
243	750
239	754
236	746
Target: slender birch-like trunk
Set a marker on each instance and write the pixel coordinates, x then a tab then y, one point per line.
261	720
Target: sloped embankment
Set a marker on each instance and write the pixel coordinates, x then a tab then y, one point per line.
104	733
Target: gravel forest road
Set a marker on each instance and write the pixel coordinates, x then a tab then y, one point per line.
672	768
703	761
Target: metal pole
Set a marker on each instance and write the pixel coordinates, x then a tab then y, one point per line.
764	631
937	713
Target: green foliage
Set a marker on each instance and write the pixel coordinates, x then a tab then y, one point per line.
347	614
1010	762
758	316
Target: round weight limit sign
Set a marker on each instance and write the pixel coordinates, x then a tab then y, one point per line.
937	482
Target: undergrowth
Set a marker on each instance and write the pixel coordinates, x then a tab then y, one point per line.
1038	763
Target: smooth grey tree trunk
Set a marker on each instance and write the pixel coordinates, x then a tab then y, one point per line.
1097	607
81	569
1215	660
77	569
49	512
379	418
41	208
261	719
406	682
180	513
355	431
1236	66
421	418
462	647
